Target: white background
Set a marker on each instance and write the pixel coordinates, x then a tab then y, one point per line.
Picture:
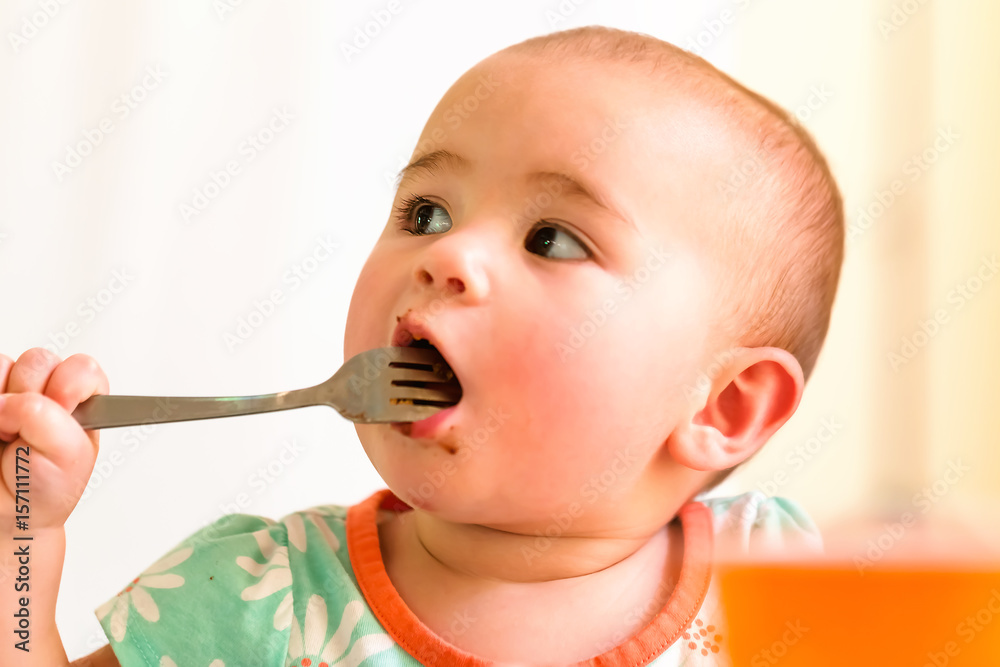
328	175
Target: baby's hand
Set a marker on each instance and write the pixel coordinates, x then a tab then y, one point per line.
39	439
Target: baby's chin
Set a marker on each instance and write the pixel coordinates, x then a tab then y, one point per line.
472	504
448	502
424	473
454	498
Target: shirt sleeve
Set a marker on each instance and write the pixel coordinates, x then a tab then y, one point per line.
221	598
756	523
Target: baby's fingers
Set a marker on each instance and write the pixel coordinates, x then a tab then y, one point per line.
68	383
31	371
51	449
75	380
48	429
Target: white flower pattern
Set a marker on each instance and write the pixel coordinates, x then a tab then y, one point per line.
308	651
275	575
135	594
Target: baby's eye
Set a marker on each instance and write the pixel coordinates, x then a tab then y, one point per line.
419	216
431	219
555	243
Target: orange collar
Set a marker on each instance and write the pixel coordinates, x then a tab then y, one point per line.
417	639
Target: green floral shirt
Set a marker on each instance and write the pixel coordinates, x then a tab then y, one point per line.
247	591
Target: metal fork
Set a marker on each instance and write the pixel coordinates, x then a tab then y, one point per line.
388	384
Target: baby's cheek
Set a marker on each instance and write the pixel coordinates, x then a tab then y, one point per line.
369	316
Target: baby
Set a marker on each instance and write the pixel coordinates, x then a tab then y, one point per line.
629	262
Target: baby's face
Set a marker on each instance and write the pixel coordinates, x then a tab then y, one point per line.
556	268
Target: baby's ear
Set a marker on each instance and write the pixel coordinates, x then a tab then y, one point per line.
748	400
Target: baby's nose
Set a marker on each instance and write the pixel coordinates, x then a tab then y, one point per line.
457	267
453	285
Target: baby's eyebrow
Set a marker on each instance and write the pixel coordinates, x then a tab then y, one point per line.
431	162
571	187
574	188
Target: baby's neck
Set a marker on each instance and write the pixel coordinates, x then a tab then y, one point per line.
488	554
595	591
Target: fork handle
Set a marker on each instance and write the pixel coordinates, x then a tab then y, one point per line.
111	411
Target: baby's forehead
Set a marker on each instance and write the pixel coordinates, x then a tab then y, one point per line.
696	108
599	114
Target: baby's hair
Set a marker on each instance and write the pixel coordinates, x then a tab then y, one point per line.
782	241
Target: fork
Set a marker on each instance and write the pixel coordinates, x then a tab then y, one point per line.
387	384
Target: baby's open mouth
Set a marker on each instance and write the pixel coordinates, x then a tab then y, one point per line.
412	331
448	382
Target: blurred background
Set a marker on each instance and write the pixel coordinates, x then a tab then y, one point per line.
188	191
